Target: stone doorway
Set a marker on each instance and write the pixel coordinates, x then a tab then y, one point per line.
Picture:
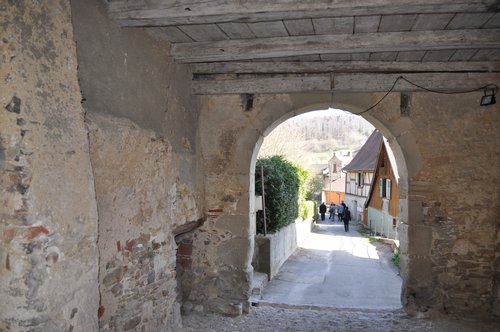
430	232
236	145
275	296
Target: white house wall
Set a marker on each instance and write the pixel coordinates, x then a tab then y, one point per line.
355	195
381	222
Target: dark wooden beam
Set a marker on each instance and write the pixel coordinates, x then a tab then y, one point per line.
188	227
246	49
341	66
183	12
343	82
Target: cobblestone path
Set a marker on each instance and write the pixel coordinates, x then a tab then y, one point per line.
293	316
264	319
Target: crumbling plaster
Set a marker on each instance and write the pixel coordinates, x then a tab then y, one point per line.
143	139
48	251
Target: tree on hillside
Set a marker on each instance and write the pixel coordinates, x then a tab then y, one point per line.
281	142
310	140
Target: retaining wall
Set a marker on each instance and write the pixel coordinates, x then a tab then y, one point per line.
272	250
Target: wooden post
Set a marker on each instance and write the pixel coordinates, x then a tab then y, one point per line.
263	198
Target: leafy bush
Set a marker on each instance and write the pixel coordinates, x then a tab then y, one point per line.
303	175
308	210
282	182
314	186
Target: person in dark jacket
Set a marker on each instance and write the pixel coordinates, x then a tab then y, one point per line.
340	211
322	210
331	209
346	218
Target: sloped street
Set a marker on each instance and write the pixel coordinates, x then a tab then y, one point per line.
336	281
337	269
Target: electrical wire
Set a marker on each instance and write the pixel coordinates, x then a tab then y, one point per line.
495	89
491	86
381	99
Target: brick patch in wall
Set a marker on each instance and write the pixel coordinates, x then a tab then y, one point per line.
185	249
214	213
184	252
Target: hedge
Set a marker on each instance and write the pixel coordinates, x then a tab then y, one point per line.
284	192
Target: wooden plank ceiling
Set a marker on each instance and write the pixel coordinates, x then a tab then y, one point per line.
286	46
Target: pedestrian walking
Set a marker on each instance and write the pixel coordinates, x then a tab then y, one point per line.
341	211
332	211
322	211
346	218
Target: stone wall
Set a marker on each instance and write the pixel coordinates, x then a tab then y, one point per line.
48	229
447	156
142	131
496	280
140	202
272	250
155	149
220	273
454	202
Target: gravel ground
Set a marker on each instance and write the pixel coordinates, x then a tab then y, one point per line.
285	319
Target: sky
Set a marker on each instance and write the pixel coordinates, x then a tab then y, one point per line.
328	112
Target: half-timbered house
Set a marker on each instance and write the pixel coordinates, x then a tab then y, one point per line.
359	174
382	205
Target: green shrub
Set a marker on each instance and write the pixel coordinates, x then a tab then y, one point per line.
303	175
363	231
314	186
308	210
395	258
282	181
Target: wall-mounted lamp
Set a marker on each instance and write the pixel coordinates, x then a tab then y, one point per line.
489	97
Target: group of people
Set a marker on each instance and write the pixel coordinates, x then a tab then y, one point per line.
342	211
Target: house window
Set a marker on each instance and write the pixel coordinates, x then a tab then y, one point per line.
388	188
385	188
382	187
360	180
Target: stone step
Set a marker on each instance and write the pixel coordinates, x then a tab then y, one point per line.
259	282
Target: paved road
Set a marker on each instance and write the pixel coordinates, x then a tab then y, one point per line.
333	277
336	269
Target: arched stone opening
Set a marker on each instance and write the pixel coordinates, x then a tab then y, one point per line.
352	105
445	268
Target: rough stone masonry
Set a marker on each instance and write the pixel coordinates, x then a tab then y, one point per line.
449	209
124	197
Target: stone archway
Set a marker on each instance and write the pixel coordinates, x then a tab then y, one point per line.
353	104
447	256
230	155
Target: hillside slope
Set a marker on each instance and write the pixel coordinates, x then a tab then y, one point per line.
312	138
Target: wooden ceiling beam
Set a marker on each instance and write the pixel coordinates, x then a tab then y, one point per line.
344	82
183	12
247	49
271	67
